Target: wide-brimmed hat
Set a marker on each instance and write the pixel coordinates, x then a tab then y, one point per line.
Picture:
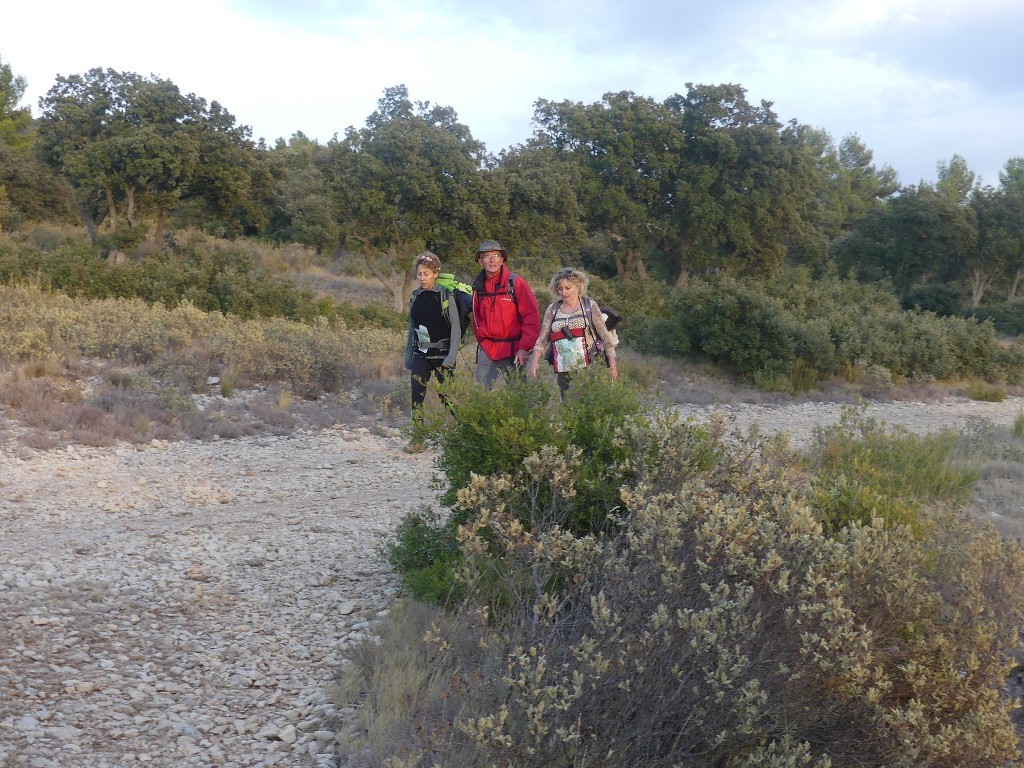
488	246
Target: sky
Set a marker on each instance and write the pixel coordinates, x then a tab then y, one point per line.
917	80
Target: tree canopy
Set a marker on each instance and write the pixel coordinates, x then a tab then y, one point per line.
128	143
412	178
703	183
14	120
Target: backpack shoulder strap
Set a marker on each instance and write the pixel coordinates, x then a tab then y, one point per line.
446	296
554	311
588	304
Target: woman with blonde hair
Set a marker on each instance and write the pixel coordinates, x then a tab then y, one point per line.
574	326
434	336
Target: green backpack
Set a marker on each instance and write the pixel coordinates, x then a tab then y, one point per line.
463	294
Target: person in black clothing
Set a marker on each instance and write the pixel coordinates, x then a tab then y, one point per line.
434	335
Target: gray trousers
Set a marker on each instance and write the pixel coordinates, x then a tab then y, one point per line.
488	371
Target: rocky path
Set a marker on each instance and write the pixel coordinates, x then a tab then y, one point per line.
798	420
186	604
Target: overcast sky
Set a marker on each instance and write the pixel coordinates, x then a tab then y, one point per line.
917	80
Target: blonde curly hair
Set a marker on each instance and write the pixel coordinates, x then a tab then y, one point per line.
576	276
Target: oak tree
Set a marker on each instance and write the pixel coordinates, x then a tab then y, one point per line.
410	179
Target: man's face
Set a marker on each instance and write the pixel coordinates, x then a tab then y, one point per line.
491	261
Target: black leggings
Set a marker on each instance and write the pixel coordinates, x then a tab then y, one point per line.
422	367
563	383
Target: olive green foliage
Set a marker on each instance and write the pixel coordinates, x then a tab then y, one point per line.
641	303
486	432
796	326
989	393
135	148
33	192
213	275
865	469
14	120
409	180
1006	316
425	552
718	624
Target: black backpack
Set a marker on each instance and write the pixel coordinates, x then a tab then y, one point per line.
612	318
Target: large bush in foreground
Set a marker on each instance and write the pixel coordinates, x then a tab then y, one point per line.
718	624
486	432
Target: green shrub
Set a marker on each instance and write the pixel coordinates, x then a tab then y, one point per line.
1006	316
424	552
988	393
499	431
642	302
788	332
366	315
944	299
489	432
865	469
717	624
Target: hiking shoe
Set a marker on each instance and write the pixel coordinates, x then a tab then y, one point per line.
415	446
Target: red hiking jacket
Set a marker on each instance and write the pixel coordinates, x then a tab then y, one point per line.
503	324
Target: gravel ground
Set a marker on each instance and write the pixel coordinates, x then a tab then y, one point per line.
186	604
799	420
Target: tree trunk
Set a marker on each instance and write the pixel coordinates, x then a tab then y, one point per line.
162	216
129	209
620	268
635	267
1015	284
980	281
398	283
88	220
112	209
682	278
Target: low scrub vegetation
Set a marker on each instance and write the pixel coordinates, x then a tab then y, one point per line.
725	614
239	278
792	331
97	371
865	470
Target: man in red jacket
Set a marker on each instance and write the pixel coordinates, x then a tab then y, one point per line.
506	317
